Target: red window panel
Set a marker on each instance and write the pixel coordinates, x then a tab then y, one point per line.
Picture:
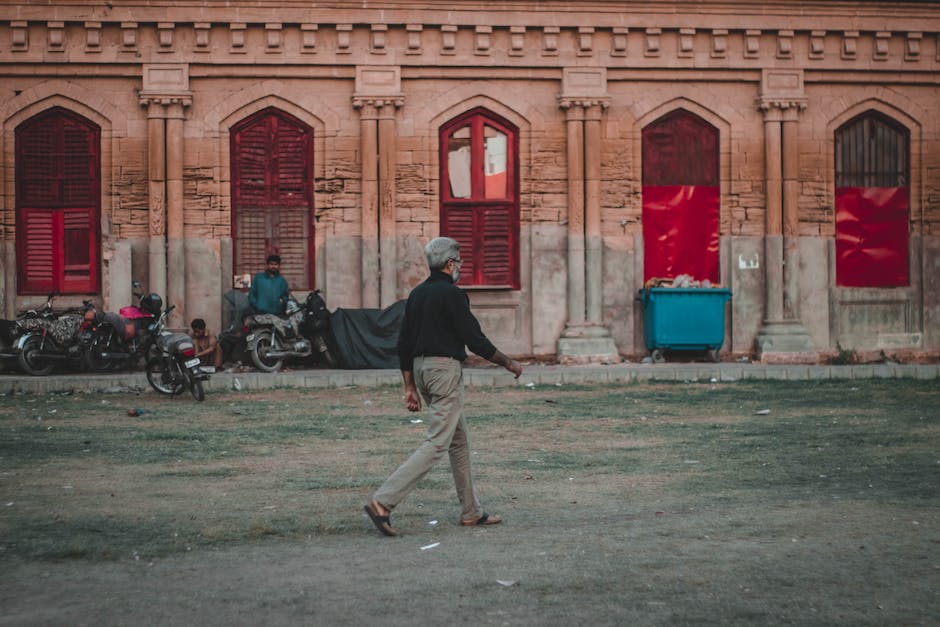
479	197
272	191
872	236
58	186
872	202
681	198
680	227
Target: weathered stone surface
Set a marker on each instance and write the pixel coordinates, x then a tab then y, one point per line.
239	62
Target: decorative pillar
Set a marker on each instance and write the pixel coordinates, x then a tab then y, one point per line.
175	251
369	226
773	242
585	339
378	96
791	214
388	233
592	213
166	94
574	122
781	100
156	169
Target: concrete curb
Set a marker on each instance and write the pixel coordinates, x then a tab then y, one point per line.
482	377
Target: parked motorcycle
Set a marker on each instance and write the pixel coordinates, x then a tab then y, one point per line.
174	367
11	330
272	339
113	341
52	341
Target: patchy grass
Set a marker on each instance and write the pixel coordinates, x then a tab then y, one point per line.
656	503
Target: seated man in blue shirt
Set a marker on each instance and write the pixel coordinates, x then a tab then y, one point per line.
269	291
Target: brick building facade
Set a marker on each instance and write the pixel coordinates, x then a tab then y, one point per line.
789	151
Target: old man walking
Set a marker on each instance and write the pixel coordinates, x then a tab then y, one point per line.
437	329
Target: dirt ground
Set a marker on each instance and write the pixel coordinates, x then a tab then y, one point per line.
745	503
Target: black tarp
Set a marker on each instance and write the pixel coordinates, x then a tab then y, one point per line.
367	338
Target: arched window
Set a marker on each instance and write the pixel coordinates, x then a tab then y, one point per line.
272	195
480	196
58	196
872	202
681	195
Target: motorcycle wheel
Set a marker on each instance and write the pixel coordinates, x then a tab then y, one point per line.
161	380
102	342
30	358
198	391
263	344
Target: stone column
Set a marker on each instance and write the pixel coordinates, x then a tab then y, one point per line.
584	98
377	96
388	232
574	122
592	213
773	242
369	228
156	167
166	94
175	250
781	100
791	217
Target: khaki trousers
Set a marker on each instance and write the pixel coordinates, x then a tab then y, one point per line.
440	383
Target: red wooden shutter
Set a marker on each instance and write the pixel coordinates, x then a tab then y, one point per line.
273	195
37	254
79	250
497	245
486	220
681	197
458	224
58	203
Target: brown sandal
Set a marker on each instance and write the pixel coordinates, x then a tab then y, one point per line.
485	519
382	523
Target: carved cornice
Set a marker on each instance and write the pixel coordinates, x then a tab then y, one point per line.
782	104
378	101
567	102
147	99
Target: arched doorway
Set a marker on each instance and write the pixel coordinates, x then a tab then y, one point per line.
872	155
58	203
681	197
272	195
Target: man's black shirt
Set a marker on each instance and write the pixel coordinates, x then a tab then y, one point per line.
438	323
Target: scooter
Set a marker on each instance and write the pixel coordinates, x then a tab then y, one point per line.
174	367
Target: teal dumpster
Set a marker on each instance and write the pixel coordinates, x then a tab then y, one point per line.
684	318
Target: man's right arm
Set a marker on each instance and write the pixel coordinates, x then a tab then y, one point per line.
412	399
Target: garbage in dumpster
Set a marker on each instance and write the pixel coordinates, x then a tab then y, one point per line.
690	316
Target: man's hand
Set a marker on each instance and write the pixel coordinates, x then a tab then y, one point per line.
412	399
511	365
